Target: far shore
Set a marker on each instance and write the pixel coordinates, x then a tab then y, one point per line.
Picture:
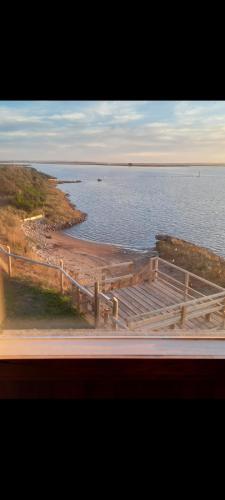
111	164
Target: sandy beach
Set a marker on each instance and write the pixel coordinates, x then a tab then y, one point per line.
79	255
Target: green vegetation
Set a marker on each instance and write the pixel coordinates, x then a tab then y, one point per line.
24	299
30	296
26	302
25	192
23	187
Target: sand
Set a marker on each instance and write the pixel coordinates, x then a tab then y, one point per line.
85	255
78	255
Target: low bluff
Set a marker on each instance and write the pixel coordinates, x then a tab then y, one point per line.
196	259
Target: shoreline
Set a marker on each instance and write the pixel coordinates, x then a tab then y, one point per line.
52	244
123	247
78	255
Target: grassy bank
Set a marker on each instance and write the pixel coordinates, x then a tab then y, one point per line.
29	306
25	192
194	258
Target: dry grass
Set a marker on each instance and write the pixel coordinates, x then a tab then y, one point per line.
55	206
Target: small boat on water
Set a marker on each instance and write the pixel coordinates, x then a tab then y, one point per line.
99	180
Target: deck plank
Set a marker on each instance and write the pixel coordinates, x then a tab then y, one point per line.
151	298
162	301
137	299
147	297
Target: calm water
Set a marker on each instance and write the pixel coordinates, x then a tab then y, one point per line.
131	205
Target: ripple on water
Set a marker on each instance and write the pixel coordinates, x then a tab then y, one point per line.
131	206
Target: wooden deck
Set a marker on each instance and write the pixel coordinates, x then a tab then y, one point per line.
156	296
148	297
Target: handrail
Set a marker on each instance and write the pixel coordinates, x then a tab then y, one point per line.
118	278
107	299
168	309
32	261
74	282
191	274
120	264
52	266
181	284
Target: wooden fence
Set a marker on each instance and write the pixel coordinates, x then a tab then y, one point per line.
91	299
195	303
94	303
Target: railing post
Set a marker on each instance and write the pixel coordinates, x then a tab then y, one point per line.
9	262
73	300
78	301
115	312
106	315
183	315
61	276
97	305
186	285
223	313
103	282
156	269
151	270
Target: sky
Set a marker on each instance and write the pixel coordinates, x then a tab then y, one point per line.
116	131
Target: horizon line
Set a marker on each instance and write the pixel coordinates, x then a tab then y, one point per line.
75	162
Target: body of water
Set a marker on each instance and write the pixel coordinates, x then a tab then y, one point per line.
133	204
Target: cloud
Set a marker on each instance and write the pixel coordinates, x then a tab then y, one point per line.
108	130
68	116
14	116
27	133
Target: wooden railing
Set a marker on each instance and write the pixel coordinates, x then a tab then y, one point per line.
187	274
85	300
92	298
180	313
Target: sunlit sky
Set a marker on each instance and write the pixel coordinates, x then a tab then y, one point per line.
126	131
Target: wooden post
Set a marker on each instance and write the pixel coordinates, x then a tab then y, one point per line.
183	315
97	305
61	276
115	312
156	269
151	270
130	270
103	282
223	313
73	300
208	316
186	285
106	315
78	301
9	262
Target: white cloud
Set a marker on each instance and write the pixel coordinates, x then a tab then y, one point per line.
14	116
113	129
27	133
68	116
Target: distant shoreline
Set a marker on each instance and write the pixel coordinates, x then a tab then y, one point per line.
120	164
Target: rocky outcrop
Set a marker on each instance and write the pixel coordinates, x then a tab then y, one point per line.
194	258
